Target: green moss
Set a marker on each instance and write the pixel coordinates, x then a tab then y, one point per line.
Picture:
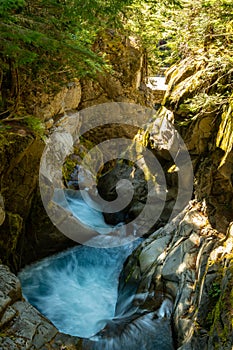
220	318
224	138
15	227
68	168
86	143
3	140
231	293
36	125
10	232
4	127
215	290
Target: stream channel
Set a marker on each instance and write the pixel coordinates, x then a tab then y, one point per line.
78	290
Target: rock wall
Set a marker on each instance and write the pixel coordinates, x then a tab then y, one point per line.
26	232
207	129
125	82
20	155
184	261
173	262
22	213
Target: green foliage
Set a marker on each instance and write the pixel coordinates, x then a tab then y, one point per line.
47	42
67	28
203	25
7	7
35	125
4	128
215	290
152	22
50	41
184	27
67	169
44	31
203	103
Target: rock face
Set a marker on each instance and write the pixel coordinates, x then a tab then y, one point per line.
208	135
2	211
20	155
178	261
162	163
22	237
126	81
48	107
20	158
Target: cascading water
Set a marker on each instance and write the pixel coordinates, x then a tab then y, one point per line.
78	291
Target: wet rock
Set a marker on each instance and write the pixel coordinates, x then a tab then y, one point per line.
154	178
152	252
10	290
29	327
174	260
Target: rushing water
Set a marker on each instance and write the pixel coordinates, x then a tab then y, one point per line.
78	291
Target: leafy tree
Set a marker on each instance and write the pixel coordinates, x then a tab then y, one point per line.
203	29
49	40
46	42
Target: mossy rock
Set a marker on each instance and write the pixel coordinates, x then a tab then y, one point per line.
224	138
9	236
20	154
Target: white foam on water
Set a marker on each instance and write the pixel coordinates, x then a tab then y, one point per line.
77	289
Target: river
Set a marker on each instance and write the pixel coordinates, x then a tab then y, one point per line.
78	291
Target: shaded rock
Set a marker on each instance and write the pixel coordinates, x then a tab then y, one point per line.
2	211
218	312
9	287
19	164
158	183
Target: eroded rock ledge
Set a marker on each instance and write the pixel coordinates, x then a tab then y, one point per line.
180	260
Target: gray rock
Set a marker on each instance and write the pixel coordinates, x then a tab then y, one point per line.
7	316
9	287
31	326
7	343
174	261
152	252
